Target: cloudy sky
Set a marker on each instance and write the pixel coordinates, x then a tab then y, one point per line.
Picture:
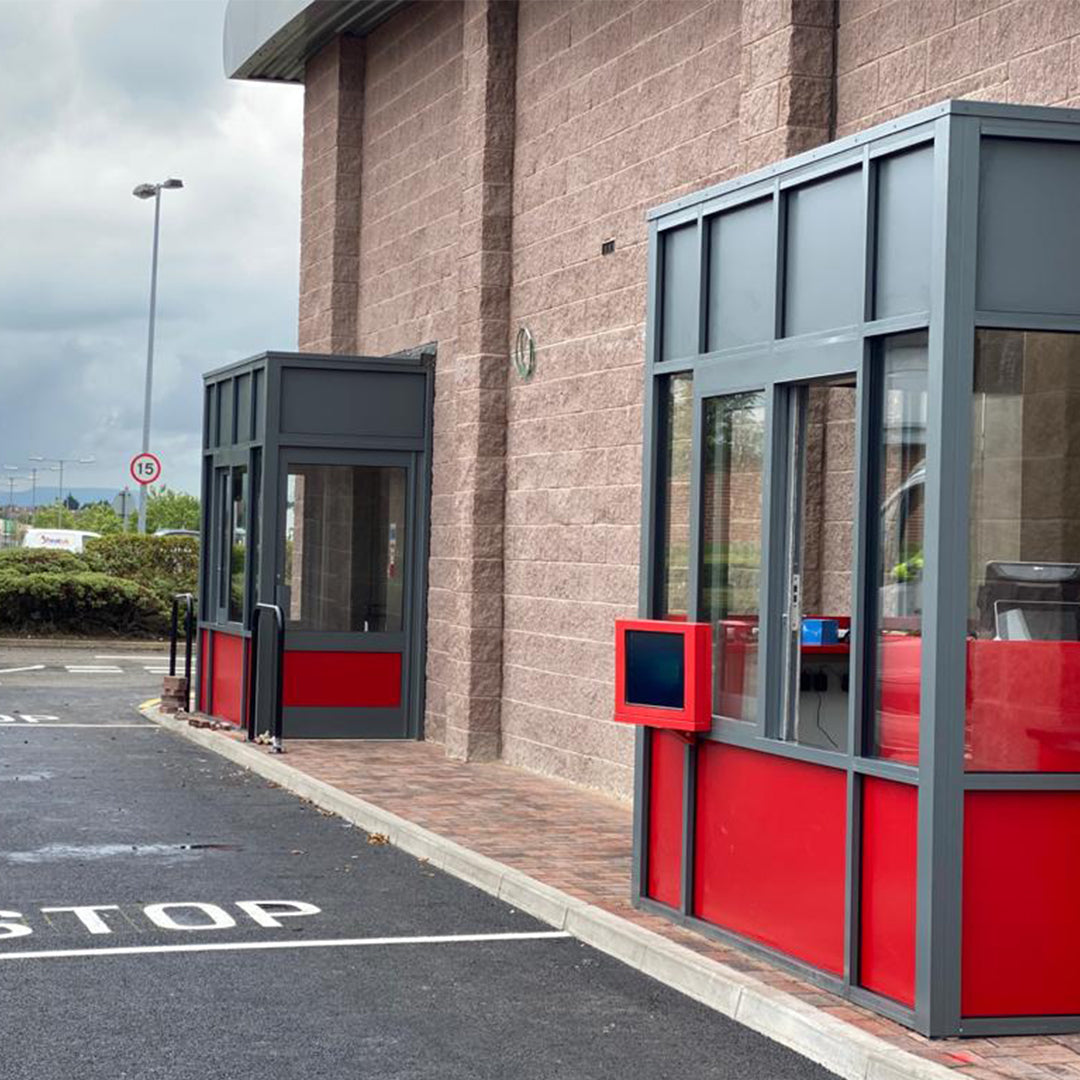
97	96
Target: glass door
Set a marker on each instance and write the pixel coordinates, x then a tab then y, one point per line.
345	586
819	519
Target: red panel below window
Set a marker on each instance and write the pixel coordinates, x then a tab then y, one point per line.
1021	934
769	852
201	669
889	871
228	674
1024	706
329	679
664	859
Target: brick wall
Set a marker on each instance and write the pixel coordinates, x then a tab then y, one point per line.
411	187
464	164
892	57
620	106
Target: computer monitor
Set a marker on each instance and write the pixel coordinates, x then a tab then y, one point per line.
1037	620
1024	583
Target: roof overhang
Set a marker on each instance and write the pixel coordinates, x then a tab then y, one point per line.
272	39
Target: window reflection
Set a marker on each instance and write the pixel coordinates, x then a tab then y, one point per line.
901	486
675	539
1024	564
345	547
238	526
734	444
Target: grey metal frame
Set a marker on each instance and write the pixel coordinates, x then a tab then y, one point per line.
955	130
266	443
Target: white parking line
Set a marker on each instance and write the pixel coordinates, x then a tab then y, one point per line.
93	669
249	946
12	670
23	726
157	670
145	658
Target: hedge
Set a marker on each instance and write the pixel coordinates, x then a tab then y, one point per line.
165	565
82	602
41	561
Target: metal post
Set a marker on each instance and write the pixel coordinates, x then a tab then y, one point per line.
60	507
276	744
189	637
251	677
149	357
172	635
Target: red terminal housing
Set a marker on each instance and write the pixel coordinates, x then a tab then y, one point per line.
663	681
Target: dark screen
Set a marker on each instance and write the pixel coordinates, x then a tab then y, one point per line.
655	673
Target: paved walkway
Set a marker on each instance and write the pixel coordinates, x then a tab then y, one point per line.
580	842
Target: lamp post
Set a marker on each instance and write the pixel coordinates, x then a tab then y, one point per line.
60	463
12	481
151	191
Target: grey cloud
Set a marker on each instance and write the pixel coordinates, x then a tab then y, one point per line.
94	98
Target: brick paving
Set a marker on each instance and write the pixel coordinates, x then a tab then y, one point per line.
580	842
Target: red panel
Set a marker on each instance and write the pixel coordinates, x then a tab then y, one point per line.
664	859
1021	934
889	873
327	679
228	674
1024	706
203	664
899	676
696	713
736	659
769	851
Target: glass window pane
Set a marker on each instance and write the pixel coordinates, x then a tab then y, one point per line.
734	447
824	263
1023	694
820	516
679	295
238	551
674	575
345	547
901	487
222	544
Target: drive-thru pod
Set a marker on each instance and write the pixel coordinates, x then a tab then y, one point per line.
862	472
316	489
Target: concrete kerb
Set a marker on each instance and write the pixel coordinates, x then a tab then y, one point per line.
833	1043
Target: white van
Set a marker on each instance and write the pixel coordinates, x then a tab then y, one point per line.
58	539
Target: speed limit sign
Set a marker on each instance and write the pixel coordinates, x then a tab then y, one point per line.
146	468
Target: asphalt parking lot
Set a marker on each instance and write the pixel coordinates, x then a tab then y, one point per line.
166	914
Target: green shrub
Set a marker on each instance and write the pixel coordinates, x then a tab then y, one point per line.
40	561
82	602
164	565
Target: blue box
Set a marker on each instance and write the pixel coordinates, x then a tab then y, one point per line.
819	632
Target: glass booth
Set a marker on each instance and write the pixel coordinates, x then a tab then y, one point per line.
862	473
316	480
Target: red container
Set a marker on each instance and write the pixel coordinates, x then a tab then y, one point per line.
663	674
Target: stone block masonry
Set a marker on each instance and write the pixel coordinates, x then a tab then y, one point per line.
465	165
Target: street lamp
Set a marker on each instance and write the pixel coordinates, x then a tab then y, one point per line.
12	481
33	485
61	462
151	191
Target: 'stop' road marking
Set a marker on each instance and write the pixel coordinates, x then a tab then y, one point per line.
248	946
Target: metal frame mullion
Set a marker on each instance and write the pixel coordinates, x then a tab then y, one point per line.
647	576
861	625
944	655
772	654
